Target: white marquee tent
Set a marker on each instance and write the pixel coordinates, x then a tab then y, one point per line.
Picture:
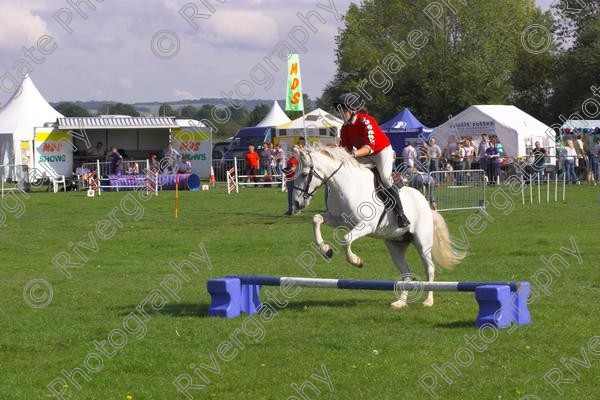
516	129
581	124
22	114
26	109
274	117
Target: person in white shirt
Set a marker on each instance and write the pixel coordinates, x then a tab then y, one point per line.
184	166
596	163
569	156
434	153
409	154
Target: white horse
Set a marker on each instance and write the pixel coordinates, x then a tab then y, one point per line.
354	207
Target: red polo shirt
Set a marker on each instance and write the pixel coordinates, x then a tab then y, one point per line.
252	160
363	131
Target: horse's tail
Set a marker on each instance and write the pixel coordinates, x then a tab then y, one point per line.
444	252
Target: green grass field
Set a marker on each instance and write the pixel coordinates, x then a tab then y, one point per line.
367	350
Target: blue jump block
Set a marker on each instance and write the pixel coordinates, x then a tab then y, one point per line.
226	297
500	306
250	298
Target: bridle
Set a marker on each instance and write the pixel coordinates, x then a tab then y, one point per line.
312	172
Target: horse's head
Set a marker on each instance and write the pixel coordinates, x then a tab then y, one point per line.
316	166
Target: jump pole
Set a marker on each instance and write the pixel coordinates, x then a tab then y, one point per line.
500	303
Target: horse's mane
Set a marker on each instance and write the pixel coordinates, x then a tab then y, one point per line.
336	153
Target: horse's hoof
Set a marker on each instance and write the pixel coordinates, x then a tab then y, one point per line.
428	303
359	263
327	251
398	305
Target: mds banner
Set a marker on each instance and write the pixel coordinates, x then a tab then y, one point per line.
197	146
293	99
54	152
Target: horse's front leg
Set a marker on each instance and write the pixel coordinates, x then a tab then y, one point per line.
325	249
356	233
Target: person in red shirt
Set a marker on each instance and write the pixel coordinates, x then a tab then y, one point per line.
252	163
362	137
290	175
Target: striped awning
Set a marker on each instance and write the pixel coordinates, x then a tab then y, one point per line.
116	123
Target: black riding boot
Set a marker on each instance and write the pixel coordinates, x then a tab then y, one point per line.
403	222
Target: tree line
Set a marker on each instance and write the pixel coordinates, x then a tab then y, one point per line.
476	52
240	117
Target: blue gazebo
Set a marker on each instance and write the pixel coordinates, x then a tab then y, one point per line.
404	126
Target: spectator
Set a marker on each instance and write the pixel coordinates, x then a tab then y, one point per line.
420	180
492	161
266	156
596	161
302	143
290	174
172	157
184	166
116	161
434	153
98	150
278	161
581	154
252	164
539	161
132	168
153	162
409	154
570	158
469	152
483	146
458	161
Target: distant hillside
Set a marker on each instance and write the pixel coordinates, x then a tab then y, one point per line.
151	108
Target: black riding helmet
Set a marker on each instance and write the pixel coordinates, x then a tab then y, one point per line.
348	101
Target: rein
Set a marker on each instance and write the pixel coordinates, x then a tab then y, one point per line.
308	194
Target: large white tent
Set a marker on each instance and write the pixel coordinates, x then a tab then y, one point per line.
316	122
26	109
581	124
516	129
274	117
317	125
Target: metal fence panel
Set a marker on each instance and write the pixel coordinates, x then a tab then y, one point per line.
459	190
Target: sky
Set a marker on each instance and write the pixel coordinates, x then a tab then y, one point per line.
166	50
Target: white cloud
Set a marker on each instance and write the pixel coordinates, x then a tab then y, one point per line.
182	95
18	25
243	29
126	82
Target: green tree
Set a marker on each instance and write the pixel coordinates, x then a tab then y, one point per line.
69	109
121	109
188	111
165	110
578	67
466	57
257	114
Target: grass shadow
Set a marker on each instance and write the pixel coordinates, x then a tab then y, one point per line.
174	310
469	323
201	309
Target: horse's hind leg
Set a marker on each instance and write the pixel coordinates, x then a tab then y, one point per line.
397	250
323	247
424	244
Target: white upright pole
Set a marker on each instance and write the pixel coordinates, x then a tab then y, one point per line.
564	184
556	187
539	195
237	183
530	191
547	188
522	191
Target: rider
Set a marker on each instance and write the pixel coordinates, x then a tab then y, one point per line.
361	132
